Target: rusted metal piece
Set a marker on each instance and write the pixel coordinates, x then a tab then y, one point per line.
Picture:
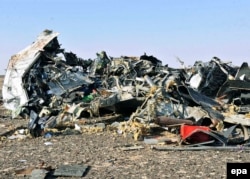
165	121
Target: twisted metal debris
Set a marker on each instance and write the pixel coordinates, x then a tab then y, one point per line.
51	87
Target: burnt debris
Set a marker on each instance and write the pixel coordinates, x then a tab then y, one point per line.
207	103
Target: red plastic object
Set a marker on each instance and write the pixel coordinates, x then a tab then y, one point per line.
194	134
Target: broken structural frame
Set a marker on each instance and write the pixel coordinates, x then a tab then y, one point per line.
51	87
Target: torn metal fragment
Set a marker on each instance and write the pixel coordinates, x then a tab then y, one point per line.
14	95
70	170
127	148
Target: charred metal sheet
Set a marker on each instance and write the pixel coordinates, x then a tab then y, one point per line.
239	85
235	91
67	82
233	135
243	73
208	77
198	98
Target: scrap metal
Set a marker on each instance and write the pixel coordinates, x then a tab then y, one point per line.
50	86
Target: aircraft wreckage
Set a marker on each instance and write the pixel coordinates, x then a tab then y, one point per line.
206	104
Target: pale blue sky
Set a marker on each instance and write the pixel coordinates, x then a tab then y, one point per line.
189	29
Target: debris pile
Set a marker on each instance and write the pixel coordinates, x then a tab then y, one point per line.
206	104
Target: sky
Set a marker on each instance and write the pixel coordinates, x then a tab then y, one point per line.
167	29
